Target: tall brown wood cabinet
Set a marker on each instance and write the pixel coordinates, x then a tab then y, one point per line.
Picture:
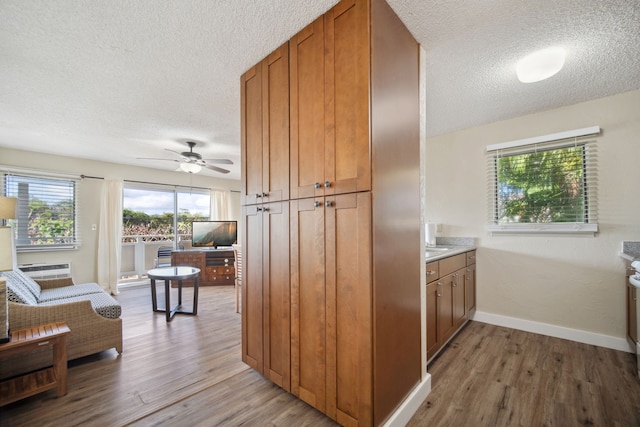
353	245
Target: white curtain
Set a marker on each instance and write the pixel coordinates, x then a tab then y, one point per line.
110	236
220	205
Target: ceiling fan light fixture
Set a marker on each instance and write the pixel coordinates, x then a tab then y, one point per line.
540	65
190	167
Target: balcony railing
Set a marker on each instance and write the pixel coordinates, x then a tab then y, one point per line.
139	254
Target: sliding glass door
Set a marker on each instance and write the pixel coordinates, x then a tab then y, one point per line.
154	216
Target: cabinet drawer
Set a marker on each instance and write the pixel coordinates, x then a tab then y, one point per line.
222	270
433	271
471	257
453	263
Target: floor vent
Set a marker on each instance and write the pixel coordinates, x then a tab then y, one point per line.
47	271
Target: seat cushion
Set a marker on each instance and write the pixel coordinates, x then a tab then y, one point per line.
69	292
101	302
19	278
17	291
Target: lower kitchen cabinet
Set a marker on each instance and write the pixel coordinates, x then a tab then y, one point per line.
450	298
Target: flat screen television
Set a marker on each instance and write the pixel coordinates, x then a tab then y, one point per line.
214	234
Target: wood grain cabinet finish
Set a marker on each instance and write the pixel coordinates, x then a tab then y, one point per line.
353	177
632	307
450	298
330	81
470	283
266	304
331	359
265	129
216	266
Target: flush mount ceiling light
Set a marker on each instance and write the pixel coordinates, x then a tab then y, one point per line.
540	65
190	167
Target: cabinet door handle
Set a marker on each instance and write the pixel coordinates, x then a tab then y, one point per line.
316	204
259	209
328	203
438	292
265	209
327	184
258	195
316	185
265	195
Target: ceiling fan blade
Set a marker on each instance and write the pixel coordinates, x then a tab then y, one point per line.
175	152
219	161
154	158
215	168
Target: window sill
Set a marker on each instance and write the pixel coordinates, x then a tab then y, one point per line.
553	228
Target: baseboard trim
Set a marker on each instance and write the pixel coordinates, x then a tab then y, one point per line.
403	414
554	331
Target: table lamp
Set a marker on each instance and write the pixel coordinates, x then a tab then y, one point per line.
7	211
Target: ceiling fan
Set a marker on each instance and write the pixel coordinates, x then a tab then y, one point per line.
192	162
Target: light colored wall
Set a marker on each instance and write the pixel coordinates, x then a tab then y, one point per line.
575	282
84	260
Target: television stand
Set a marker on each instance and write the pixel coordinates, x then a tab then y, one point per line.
216	265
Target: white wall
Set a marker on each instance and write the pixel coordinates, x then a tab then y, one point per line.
574	282
84	260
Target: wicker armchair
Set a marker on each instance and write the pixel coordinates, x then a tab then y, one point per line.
90	332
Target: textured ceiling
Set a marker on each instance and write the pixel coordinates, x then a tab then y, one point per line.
115	80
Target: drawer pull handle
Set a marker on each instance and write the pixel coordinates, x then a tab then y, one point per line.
43	343
430	272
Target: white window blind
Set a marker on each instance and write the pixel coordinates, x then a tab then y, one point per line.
543	187
47	210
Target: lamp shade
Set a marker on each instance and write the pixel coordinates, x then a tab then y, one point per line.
8	207
190	167
6	249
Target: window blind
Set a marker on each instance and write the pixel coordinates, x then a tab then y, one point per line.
548	186
47	210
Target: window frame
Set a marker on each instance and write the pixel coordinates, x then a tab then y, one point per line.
174	191
579	137
55	178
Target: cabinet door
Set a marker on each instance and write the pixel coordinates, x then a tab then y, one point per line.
632	313
446	324
251	134
433	296
308	302
252	294
265	129
307	111
349	318
275	129
470	288
276	293
347	66
459	311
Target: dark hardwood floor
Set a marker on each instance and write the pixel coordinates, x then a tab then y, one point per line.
189	373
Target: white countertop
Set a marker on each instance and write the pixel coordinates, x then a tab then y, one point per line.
441	251
628	257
